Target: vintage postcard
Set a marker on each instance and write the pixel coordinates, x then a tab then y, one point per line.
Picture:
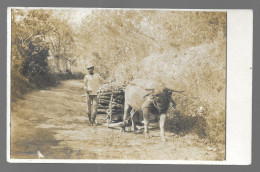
151	86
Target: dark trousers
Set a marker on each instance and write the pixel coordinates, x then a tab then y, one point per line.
92	105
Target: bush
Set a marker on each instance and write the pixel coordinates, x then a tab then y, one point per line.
200	72
65	76
19	85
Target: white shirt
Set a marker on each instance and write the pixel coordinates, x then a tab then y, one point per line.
92	83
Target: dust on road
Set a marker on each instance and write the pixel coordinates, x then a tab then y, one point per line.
54	122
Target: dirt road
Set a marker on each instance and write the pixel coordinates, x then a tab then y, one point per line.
53	121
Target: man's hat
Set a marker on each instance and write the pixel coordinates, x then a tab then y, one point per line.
90	65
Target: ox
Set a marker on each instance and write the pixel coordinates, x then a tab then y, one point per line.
145	95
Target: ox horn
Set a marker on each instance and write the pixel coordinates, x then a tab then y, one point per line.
150	90
176	91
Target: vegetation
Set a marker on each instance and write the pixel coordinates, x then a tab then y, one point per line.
184	50
38	35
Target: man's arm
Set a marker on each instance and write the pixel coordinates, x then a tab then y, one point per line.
85	83
87	90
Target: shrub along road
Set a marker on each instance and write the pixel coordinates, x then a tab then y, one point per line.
54	122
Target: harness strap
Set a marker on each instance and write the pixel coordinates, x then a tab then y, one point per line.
159	108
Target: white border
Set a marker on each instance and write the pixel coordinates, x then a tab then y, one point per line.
145	9
8	104
239	93
239	86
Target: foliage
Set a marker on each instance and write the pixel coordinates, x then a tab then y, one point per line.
184	50
29	50
61	43
36	35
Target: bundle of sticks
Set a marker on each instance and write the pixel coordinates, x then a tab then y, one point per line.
111	99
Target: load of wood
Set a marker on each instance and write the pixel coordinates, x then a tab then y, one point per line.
111	101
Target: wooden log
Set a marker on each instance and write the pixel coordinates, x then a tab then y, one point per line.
105	97
103	104
101	113
103	101
102	110
115	92
118	92
105	91
118	113
115	102
116	109
104	94
119	101
118	106
111	91
102	107
113	107
113	111
118	96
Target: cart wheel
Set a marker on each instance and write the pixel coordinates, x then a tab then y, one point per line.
108	118
108	122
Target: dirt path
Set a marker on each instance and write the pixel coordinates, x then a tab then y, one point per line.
54	122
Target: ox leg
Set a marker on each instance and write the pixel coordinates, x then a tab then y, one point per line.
126	111
162	126
132	113
146	121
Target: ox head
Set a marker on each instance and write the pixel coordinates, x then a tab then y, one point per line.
161	97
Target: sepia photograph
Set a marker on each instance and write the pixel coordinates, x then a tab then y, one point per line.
118	84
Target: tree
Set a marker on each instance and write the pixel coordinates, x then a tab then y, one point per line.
61	41
29	46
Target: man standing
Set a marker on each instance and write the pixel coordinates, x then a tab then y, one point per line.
91	84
